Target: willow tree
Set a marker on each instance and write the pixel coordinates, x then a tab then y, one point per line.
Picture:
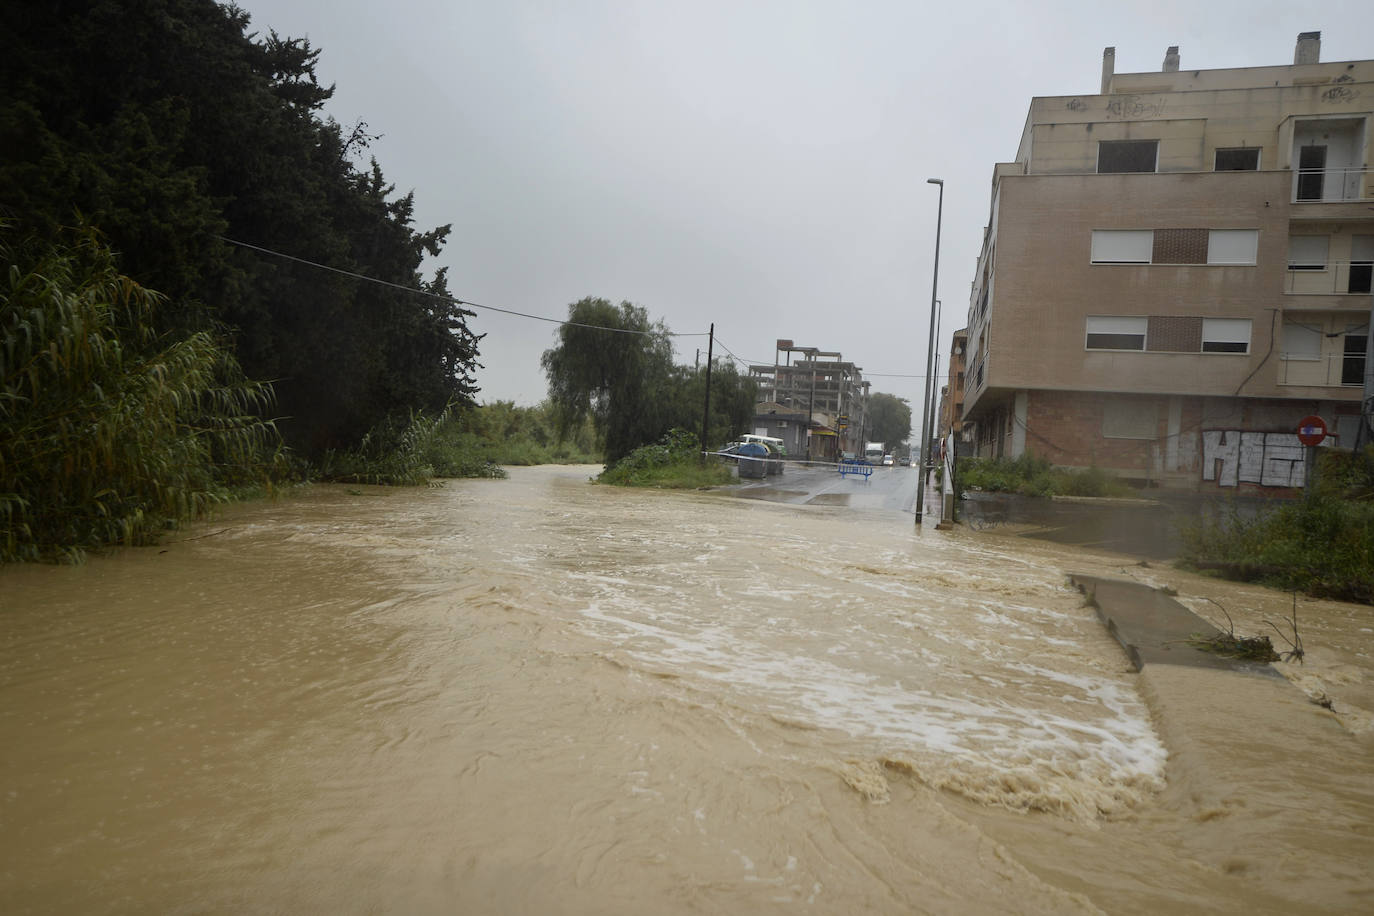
109	431
615	365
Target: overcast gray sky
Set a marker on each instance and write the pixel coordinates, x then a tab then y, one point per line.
760	165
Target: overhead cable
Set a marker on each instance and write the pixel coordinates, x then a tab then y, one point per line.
442	298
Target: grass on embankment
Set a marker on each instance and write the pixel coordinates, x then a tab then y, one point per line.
1031	475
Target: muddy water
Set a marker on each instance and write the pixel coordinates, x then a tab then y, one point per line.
539	696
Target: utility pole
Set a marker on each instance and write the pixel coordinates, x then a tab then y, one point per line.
706	412
811	405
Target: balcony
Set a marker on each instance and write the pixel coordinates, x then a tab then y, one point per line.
975	376
1330	278
1331	185
1332	371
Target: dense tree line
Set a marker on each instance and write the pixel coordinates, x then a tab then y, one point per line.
889	420
614	365
169	127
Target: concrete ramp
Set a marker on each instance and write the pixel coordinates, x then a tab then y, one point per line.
1153	628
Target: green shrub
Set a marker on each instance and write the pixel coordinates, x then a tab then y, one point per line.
1032	475
1321	545
110	433
674	462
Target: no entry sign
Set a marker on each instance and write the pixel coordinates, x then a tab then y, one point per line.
1311	430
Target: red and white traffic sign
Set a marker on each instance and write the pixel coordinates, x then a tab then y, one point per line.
1311	430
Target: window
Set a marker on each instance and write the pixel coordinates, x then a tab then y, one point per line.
1238	159
1301	341
1127	156
1352	366
1129	418
1307	252
1361	263
1122	246
1232	246
1226	335
1109	332
1177	246
1311	172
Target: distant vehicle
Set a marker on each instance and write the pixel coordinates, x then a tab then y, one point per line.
887	461
773	443
873	453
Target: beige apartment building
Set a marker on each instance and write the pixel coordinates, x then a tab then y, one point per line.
951	412
1176	271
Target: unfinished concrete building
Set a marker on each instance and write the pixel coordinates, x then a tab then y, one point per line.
813	400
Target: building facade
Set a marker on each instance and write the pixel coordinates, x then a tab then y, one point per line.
813	400
951	412
1176	271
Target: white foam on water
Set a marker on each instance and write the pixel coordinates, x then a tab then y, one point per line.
968	680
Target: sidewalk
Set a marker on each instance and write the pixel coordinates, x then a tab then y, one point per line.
1153	628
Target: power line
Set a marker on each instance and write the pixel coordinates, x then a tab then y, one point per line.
442	298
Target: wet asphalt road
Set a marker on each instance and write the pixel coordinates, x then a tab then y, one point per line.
1147	528
888	488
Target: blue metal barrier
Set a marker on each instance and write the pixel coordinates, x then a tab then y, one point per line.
855	466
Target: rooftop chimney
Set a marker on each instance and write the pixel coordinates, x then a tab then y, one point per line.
1309	49
1108	69
1171	59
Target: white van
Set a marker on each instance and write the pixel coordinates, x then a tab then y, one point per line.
773	443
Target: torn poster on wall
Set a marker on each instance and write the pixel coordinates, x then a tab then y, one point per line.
1232	457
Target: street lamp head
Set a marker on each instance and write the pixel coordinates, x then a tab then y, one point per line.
935	181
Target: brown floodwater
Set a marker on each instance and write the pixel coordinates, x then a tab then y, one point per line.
542	696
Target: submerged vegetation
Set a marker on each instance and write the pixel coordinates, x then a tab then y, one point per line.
674	462
460	442
1252	648
1322	544
1031	475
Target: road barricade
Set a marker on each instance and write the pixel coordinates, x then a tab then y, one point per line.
850	466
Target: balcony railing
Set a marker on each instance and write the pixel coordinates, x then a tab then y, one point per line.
1333	278
1323	372
1315	186
974	376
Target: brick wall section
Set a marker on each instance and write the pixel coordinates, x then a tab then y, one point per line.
1180	246
1174	334
1066	428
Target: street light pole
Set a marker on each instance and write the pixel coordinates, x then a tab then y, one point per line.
930	350
928	423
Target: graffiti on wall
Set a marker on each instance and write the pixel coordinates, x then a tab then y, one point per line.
1232	457
1135	106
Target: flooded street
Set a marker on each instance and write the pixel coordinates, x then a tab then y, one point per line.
542	696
